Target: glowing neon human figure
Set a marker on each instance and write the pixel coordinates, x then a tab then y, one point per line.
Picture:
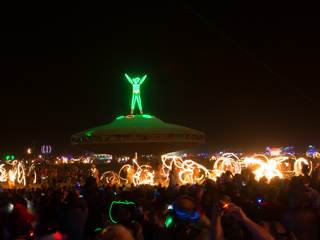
136	82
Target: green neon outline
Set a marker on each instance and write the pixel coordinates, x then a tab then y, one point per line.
169	220
119	117
136	82
126	203
89	133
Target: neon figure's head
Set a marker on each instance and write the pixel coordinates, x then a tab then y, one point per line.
136	80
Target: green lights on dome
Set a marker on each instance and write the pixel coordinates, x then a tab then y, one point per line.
136	82
135	116
89	133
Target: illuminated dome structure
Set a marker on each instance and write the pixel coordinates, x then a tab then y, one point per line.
137	133
143	133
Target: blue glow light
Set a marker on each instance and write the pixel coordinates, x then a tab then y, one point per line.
184	215
196	215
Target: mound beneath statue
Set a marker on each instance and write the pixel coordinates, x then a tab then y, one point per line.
144	134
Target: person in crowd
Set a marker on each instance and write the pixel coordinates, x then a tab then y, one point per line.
228	177
74	216
316	171
28	181
94	172
157	175
44	177
301	218
157	224
305	171
220	207
4	211
159	167
54	177
68	178
274	209
130	173
123	217
196	174
115	232
277	230
19	221
304	184
80	176
74	174
32	179
174	176
50	176
11	179
249	206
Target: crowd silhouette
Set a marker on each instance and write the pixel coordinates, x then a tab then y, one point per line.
232	207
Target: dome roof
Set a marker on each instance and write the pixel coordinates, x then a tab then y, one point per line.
137	133
137	124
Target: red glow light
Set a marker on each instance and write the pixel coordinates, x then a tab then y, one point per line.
57	236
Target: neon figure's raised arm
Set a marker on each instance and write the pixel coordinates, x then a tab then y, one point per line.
142	79
129	79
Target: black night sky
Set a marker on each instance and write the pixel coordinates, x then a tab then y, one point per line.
245	73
